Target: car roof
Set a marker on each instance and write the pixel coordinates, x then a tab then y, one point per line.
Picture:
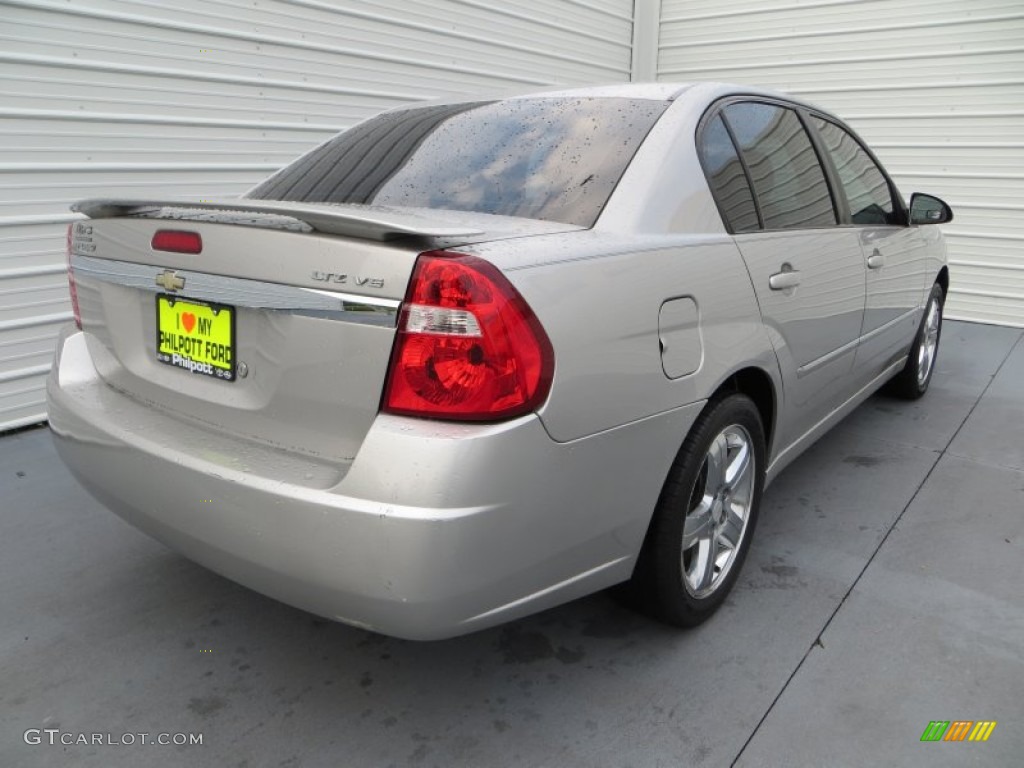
698	95
696	92
652	91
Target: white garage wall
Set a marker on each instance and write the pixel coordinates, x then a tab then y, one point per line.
936	87
206	97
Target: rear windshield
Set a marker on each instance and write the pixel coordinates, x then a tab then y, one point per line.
556	159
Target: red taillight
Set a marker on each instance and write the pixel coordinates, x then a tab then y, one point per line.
177	241
72	288
469	347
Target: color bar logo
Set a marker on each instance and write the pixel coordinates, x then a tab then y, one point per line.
958	730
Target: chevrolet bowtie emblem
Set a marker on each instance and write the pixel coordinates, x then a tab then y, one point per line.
169	280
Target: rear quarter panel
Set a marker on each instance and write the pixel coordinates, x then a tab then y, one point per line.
599	298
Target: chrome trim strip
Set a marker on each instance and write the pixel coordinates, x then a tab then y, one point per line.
827	358
836	353
241	292
882	328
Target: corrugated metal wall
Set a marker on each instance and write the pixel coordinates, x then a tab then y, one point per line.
206	97
936	87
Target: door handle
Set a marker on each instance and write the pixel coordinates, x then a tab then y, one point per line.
876	260
787	278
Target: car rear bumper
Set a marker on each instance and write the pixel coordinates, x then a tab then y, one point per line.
433	530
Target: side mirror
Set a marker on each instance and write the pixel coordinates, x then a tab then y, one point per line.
928	209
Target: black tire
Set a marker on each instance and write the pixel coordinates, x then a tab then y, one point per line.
667	580
912	382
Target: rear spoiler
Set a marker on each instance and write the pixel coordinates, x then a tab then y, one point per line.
372	223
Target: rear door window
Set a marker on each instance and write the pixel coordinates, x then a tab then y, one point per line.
784	168
727	178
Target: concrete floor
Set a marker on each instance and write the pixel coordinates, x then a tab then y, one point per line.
883	591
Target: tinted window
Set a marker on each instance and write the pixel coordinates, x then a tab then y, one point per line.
784	168
545	158
727	178
866	188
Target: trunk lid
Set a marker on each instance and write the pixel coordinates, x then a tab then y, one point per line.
280	330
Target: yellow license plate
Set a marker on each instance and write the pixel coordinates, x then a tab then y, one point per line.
196	336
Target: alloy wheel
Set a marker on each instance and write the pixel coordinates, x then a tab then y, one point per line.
719	510
929	343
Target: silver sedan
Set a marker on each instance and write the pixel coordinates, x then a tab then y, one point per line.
469	360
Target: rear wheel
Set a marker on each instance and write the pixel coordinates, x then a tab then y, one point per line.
912	382
702	527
